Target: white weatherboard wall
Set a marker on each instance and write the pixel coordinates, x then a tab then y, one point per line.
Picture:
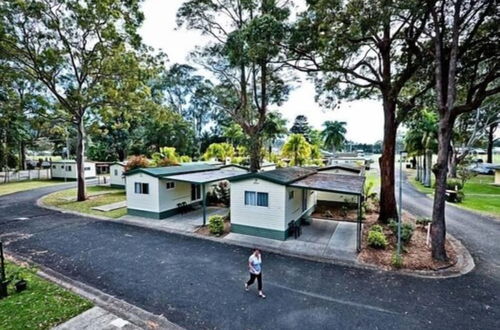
339	171
294	206
61	170
169	198
336	197
116	176
144	202
270	217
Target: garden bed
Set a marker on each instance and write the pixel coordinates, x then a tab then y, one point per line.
416	253
335	211
205	230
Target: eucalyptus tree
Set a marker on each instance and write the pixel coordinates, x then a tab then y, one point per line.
68	47
363	48
245	57
334	134
466	55
274	129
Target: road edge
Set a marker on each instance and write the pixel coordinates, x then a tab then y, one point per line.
121	308
464	265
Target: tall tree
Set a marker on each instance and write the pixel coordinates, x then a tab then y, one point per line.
363	48
334	134
66	45
301	126
274	129
467	67
244	56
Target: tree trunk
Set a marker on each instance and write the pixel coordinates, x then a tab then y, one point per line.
255	152
491	133
80	166
438	227
428	155
417	177
423	178
22	155
453	166
122	154
388	209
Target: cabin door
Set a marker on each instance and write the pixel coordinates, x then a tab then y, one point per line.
195	192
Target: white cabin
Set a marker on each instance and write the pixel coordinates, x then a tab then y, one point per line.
116	175
66	169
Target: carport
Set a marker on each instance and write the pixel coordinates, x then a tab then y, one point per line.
336	183
203	178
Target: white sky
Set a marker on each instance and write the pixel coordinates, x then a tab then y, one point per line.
364	118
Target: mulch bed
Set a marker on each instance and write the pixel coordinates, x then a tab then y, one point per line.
336	212
416	255
204	230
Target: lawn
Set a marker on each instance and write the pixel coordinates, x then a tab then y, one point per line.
12	187
98	196
42	306
480	194
373	176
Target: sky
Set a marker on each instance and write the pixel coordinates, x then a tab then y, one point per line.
364	118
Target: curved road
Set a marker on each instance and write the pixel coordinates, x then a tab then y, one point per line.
199	284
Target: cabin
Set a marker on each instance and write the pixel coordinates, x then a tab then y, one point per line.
66	169
332	198
497	174
116	175
350	160
160	192
272	204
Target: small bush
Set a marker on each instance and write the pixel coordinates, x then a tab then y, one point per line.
460	196
377	239
377	228
216	225
136	162
423	221
396	260
451	184
406	230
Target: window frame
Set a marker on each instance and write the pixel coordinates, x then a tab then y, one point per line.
255	199
141	188
172	183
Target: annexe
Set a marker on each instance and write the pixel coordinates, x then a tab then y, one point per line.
270	204
66	169
158	192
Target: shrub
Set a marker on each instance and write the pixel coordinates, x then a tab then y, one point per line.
216	224
423	221
222	192
377	239
164	162
397	260
460	196
377	228
136	162
406	230
452	183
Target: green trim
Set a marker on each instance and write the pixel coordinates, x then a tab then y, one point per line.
260	232
118	186
152	215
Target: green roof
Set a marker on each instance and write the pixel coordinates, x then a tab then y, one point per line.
171	170
284	175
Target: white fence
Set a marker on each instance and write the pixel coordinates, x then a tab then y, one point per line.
37	174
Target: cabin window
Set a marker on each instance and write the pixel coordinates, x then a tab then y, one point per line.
141	188
68	168
53	166
87	168
256	198
291	194
170	185
116	172
62	166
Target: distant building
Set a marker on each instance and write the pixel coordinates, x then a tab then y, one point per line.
66	169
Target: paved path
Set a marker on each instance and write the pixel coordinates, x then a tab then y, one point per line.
199	284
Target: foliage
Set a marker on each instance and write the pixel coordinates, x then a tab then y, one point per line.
166	157
406	230
136	162
219	151
301	126
42	306
334	134
377	228
453	184
222	192
377	239
233	133
216	225
423	221
464	171
297	149
397	260
185	159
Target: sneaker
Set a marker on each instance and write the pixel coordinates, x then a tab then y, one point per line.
246	287
262	295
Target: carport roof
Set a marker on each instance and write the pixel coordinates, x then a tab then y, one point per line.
340	183
171	170
206	176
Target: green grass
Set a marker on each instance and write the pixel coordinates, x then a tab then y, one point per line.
13	187
372	176
42	306
112	196
480	194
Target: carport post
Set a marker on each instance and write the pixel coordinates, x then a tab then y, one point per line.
204	202
358	236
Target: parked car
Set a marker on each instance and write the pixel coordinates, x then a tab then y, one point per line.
482	168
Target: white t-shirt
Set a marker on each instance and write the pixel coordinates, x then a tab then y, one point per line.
256	263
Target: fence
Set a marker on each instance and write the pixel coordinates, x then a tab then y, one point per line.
36	174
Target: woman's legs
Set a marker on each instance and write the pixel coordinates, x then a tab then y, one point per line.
252	279
259	282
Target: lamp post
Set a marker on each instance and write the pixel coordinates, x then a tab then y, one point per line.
400	220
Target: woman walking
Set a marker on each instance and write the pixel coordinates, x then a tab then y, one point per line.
255	268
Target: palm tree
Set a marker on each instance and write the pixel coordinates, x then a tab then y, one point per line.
274	128
334	134
233	133
297	148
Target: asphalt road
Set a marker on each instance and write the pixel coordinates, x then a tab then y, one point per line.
199	284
